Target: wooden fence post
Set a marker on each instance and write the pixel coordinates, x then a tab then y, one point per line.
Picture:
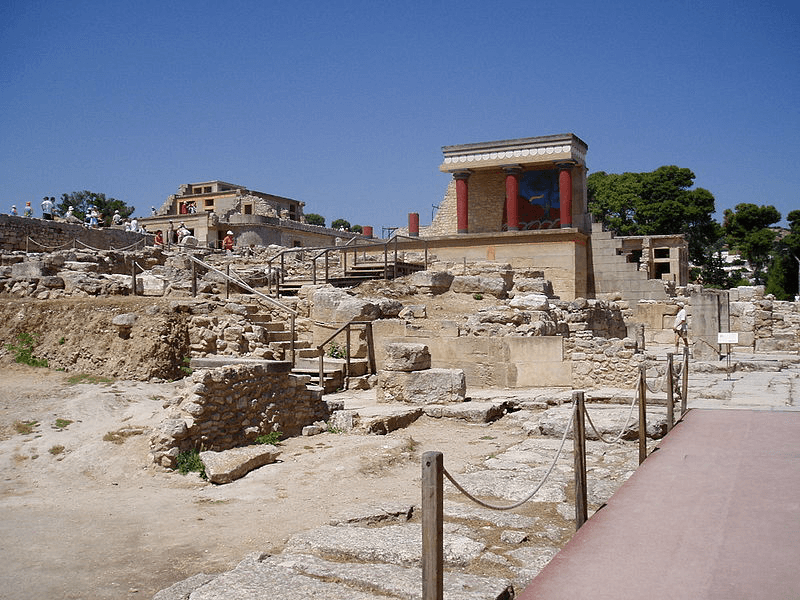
194	279
642	414
670	394
579	445
684	379
432	526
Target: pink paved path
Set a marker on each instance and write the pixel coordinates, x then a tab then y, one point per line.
714	513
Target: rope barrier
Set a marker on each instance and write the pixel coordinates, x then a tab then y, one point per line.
64	245
460	488
624	427
136	243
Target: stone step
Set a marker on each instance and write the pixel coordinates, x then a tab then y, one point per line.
301	576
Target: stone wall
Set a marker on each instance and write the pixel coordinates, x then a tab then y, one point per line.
231	406
50	235
599	362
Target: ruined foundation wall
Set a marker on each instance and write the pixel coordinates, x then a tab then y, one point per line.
230	406
49	235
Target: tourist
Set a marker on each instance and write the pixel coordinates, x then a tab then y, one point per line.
680	327
159	239
28	212
13	212
192	208
227	242
116	218
170	234
183	232
135	225
153	211
47	209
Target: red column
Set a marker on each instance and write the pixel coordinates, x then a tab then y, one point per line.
565	194
413	224
462	201
512	192
367	231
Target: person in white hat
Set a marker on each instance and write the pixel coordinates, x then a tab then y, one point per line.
227	242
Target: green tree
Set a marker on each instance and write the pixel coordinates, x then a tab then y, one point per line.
655	203
315	219
747	230
357	229
341	224
783	279
82	201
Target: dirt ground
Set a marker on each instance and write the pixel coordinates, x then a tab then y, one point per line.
86	517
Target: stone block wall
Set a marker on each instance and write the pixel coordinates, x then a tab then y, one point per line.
230	406
613	274
51	235
486	201
599	362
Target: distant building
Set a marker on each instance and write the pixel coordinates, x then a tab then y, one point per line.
209	209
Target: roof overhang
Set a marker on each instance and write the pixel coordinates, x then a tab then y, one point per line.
534	151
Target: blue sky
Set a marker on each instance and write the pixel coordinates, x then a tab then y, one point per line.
346	105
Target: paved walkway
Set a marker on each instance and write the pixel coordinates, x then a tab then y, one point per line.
714	513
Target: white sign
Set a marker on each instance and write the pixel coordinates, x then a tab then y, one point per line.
727	338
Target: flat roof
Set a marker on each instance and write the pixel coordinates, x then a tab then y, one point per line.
564	147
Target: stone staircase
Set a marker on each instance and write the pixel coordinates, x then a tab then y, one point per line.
355	274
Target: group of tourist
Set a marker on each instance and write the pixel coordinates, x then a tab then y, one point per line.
93	216
48	209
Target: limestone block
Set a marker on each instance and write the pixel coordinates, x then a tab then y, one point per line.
229	465
331	305
479	284
407	357
431	282
530	302
537	286
413	311
31	269
432	386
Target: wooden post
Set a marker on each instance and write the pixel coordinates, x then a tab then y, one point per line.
642	414
227	281
322	367
343	254
684	379
579	445
432	526
327	267
194	279
347	358
386	261
133	278
670	394
371	349
395	258
294	337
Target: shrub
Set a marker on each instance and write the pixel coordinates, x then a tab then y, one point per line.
189	460
271	438
23	350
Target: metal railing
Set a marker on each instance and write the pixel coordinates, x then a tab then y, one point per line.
355	245
347	327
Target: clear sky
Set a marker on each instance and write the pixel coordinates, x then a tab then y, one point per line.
346	105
